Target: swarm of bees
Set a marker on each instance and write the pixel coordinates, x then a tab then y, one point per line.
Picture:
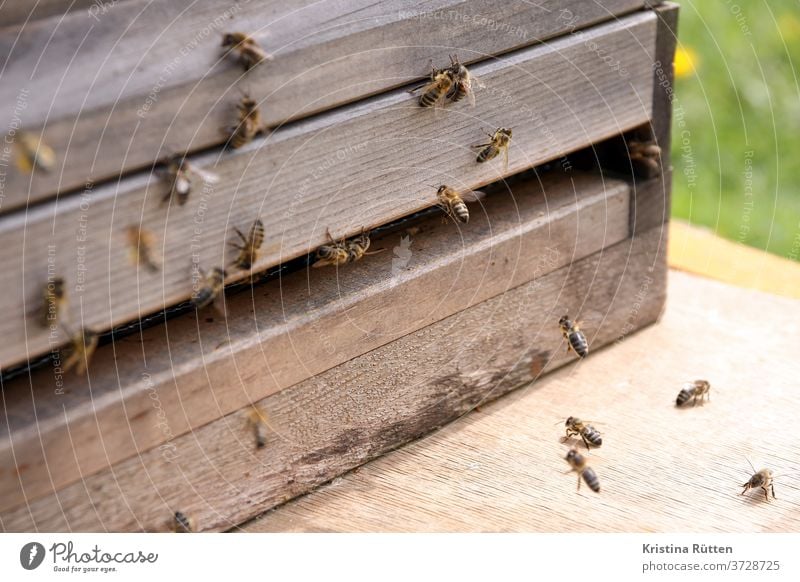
245	48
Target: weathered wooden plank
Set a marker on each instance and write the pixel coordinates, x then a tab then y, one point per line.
24	12
339	419
502	469
361	166
143	77
289	330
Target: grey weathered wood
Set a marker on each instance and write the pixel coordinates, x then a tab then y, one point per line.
25	12
360	166
144	77
339	419
144	391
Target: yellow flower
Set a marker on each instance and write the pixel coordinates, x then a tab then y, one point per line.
685	62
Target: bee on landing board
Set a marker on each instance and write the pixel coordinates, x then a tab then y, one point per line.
249	245
499	142
435	92
645	158
344	251
211	289
454	205
246	48
81	348
762	479
143	243
577	427
32	153
258	420
179	174
249	123
576	341
578	463
462	82
699	389
182	523
55	298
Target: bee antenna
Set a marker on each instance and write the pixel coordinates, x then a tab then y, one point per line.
751	464
559	422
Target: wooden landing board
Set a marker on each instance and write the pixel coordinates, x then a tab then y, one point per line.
145	391
120	87
661	469
355	168
337	420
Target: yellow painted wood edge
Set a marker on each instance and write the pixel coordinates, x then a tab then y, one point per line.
699	251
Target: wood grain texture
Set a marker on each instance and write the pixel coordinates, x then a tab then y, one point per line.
113	90
359	167
661	469
25	12
366	406
143	391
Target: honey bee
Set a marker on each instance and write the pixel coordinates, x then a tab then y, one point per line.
33	152
55	297
183	523
249	123
578	463
454	204
763	479
462	82
437	89
211	289
258	419
81	348
645	158
694	390
180	173
248	51
576	341
248	248
575	426
143	242
344	251
500	141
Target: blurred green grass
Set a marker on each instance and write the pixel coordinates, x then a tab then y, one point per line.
736	129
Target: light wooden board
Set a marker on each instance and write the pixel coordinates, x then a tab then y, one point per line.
144	391
361	166
24	12
114	91
661	469
366	406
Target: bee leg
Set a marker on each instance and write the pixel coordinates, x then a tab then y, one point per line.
746	488
579	481
773	490
483	145
586	442
766	493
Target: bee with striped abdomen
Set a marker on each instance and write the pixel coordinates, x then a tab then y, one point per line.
462	82
578	463
182	523
247	49
699	389
55	298
179	173
344	251
81	348
499	142
577	427
249	245
249	123
576	341
211	289
454	204
762	479
435	92
33	152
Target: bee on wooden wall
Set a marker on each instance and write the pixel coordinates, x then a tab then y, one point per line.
763	479
462	82
344	251
180	174
143	243
645	158
80	350
249	245
246	48
500	141
54	295
182	523
454	204
258	420
33	152
436	90
211	288
578	463
248	125
590	435
357	247
576	341
697	389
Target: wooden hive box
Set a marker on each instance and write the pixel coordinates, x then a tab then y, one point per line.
342	364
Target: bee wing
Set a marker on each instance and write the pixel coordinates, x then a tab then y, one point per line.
472	196
206	176
505	159
219	303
